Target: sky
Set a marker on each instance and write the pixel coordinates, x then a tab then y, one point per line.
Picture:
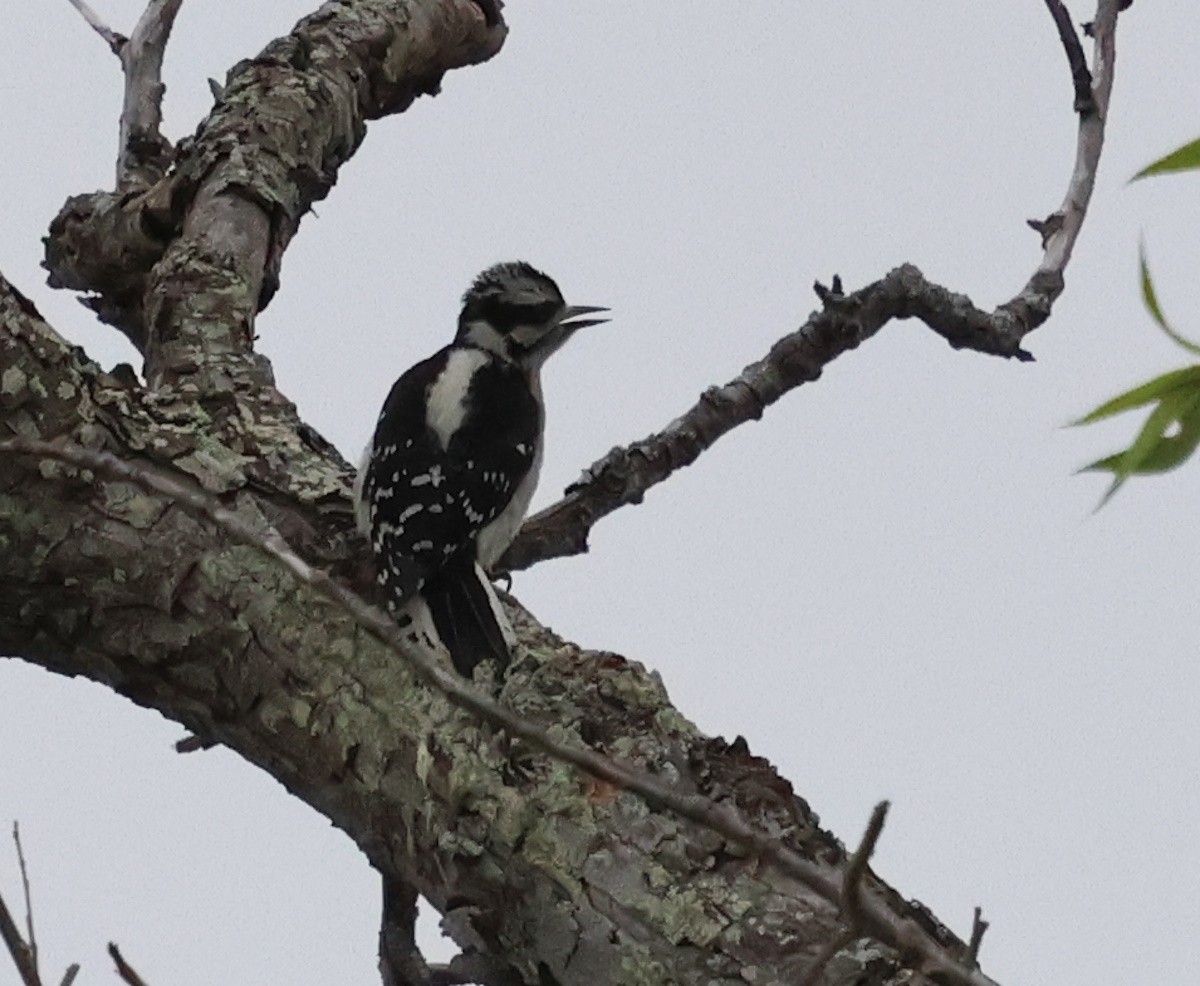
894	585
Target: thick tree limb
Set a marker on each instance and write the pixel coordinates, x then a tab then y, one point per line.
399	958
104	581
197	254
548	873
625	475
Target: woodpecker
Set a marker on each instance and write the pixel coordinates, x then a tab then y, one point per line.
449	474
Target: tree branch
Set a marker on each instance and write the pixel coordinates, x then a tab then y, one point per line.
111	38
1081	78
197	254
398	954
856	870
145	155
31	943
17	948
124	969
23	953
171	611
625	475
978	927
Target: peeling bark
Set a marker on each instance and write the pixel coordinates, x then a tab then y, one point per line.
529	861
550	874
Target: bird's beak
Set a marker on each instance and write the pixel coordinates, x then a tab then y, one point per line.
574	311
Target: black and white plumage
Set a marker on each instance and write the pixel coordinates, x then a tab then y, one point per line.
455	459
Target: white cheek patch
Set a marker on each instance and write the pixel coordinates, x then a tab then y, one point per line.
527	335
484	335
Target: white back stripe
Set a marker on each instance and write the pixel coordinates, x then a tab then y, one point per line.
447	404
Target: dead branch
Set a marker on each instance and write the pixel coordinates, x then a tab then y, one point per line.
144	155
625	475
111	38
23	952
1081	77
32	938
852	879
221	220
17	948
978	927
872	910
124	969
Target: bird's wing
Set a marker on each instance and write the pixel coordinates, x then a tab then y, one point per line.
425	503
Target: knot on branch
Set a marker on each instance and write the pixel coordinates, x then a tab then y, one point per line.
105	244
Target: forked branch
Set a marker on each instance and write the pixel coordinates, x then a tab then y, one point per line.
626	474
144	154
874	914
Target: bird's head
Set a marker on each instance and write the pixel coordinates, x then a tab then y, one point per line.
518	313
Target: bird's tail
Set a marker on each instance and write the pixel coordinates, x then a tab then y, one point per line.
468	617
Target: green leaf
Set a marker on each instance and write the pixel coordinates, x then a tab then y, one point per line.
1156	389
1150	297
1154	450
1185	158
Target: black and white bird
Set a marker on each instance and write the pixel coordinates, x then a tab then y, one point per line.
450	472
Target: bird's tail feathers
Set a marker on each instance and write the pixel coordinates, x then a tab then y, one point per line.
468	617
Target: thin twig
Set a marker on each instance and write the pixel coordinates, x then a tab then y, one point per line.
190	744
17	948
31	942
111	38
877	916
70	974
978	927
124	969
625	475
1081	78
852	878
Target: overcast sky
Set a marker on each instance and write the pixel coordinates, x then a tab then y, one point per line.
893	585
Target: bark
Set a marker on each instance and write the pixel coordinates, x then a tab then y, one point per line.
527	859
555	876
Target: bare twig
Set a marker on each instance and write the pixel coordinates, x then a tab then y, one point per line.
191	744
17	948
625	475
24	953
978	927
32	939
852	879
124	969
877	917
144	153
111	38
1081	78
